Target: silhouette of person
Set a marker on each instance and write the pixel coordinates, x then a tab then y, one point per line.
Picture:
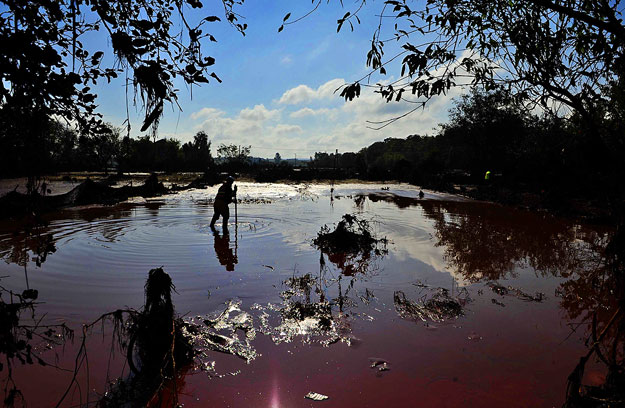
224	196
223	250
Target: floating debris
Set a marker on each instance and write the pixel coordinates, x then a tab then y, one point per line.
497	288
473	336
351	246
438	308
300	284
420	284
518	293
155	342
221	333
375	361
498	303
86	193
304	193
537	297
315	396
379	364
350	235
367	297
304	313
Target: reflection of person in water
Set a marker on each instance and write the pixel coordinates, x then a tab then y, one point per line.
225	195
223	250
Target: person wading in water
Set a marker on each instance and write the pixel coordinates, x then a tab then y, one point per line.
224	196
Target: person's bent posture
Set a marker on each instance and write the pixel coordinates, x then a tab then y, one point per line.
225	195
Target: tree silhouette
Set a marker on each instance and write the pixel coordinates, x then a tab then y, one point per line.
546	51
47	69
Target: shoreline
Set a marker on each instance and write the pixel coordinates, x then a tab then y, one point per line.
575	208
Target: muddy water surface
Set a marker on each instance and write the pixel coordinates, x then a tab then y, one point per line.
517	276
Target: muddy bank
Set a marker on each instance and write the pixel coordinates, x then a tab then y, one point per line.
91	192
590	209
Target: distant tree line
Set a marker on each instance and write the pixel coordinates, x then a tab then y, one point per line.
61	148
487	131
490	131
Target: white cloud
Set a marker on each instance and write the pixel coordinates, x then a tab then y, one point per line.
328	124
259	113
351	129
299	94
305	112
286	130
327	90
258	127
304	93
206	113
286	60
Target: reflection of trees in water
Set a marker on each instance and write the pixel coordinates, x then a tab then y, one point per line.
488	242
491	244
350	264
596	299
23	336
33	238
24	339
107	222
318	308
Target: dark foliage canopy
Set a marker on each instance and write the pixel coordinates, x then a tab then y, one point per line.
46	69
548	52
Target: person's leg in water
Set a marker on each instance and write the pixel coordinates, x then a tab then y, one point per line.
218	208
215	218
221	208
225	214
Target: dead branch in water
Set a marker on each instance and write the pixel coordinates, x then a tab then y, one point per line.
153	343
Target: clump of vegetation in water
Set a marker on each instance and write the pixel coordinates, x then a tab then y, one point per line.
350	235
516	292
351	245
304	313
155	342
156	332
160	345
438	308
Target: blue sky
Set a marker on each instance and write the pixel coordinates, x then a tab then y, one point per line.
277	91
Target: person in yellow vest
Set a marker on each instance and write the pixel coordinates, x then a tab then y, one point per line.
487	175
224	196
